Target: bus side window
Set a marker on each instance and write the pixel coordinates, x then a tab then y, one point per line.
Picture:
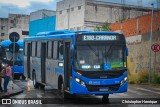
25	51
55	50
36	49
49	49
60	50
33	48
39	49
52	51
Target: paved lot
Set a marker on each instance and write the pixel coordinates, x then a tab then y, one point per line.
134	93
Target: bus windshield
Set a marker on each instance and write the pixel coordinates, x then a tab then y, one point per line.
100	58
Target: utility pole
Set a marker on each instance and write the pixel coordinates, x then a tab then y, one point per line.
150	51
69	15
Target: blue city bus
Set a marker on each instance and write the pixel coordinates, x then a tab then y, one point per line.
77	62
7	56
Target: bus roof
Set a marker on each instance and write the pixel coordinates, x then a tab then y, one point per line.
65	34
6	43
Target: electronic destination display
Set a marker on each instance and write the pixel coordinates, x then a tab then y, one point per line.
100	38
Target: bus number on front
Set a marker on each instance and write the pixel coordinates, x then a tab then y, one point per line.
99	37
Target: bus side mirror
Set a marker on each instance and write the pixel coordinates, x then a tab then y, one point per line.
127	52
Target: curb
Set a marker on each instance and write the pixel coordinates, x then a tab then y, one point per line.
12	94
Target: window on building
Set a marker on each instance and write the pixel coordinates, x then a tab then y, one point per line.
72	9
78	28
79	7
67	10
2	27
25	33
60	12
12	21
2	34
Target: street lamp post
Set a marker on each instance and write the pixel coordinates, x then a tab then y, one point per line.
150	52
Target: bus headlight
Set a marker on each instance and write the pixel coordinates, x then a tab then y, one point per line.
77	80
124	80
80	82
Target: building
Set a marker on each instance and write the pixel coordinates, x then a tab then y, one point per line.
40	14
3	29
88	14
22	32
19	21
42	20
14	23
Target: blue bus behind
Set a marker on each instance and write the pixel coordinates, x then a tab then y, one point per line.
7	56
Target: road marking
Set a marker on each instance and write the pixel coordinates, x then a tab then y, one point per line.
156	88
21	96
39	96
148	90
136	92
124	95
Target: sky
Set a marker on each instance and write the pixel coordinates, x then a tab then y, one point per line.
28	6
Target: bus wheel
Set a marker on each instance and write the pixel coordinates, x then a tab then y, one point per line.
105	98
35	84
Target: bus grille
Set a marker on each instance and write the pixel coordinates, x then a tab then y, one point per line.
99	88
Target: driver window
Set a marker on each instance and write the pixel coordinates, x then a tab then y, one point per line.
60	50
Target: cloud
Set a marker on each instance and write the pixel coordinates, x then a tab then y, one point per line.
5	9
23	3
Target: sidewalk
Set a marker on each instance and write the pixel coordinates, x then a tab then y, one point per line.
13	91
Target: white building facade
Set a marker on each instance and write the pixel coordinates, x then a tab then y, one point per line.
3	29
88	14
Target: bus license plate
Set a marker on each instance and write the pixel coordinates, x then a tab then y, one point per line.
103	89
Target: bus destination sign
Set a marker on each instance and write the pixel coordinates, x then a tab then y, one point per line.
100	38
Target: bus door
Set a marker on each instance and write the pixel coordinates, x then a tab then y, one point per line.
43	62
28	59
67	64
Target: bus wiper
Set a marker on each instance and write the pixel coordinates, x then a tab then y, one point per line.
94	51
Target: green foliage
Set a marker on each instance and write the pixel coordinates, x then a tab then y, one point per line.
142	77
104	27
156	79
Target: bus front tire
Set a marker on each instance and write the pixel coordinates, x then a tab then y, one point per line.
105	98
35	84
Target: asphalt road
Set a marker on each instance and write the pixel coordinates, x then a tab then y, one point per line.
134	92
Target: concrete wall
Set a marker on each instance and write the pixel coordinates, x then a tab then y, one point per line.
138	59
40	14
91	14
139	25
19	31
65	14
41	25
137	32
18	21
3	28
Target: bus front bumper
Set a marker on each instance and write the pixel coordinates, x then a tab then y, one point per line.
98	89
